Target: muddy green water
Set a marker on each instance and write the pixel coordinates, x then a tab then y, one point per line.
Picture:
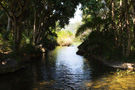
62	69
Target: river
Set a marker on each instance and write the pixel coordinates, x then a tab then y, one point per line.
62	69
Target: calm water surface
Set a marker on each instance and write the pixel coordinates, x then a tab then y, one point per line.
62	69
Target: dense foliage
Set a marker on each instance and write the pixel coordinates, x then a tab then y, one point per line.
33	22
112	26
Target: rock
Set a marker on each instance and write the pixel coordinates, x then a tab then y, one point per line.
79	52
9	65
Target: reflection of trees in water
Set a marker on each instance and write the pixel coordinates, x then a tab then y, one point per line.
99	69
48	65
55	71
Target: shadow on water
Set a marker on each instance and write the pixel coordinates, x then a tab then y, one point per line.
58	69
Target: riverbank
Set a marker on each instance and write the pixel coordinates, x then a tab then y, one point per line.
14	63
117	64
11	62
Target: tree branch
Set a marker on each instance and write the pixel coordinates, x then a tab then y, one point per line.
7	12
13	14
23	8
20	4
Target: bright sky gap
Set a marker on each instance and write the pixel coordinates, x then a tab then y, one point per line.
78	15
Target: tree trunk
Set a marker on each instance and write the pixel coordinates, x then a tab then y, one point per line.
15	14
8	29
35	26
120	25
39	31
38	37
134	19
17	34
113	22
128	28
9	24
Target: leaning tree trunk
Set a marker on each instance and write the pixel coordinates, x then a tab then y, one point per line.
128	28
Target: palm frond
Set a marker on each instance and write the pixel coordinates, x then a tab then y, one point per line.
91	24
83	28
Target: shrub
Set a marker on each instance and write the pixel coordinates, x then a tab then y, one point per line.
65	38
30	49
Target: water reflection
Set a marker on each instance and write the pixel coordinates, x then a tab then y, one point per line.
62	69
69	71
69	62
65	68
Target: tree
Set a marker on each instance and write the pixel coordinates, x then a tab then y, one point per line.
108	16
40	18
113	22
133	2
120	23
54	11
128	27
15	10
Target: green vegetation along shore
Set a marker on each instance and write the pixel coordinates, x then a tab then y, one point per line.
110	26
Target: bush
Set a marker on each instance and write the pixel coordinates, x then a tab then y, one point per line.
102	44
30	49
49	42
65	38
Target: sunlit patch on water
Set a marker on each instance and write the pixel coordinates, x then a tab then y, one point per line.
121	80
44	85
